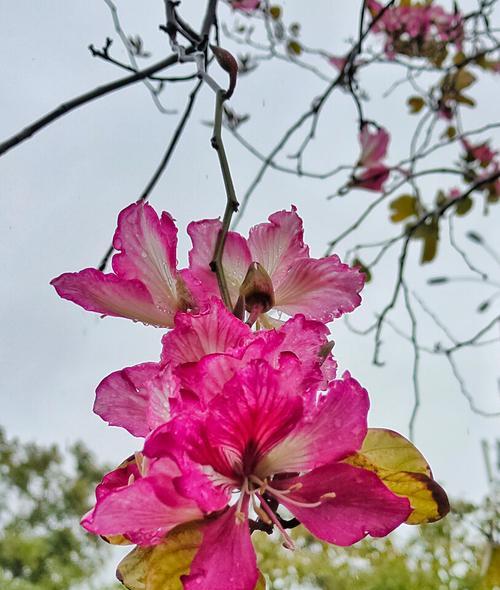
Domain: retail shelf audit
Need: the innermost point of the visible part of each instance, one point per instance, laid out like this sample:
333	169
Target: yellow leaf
459	58
429	249
463	206
491	578
404	470
393	452
462	99
261	582
403	207
415	103
116	540
275	11
427	498
294	47
463	79
451	132
161	567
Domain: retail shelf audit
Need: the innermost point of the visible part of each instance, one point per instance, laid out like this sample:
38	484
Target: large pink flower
145	285
200	355
272	269
268	442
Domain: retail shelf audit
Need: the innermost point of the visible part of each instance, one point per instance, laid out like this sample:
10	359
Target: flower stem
231	200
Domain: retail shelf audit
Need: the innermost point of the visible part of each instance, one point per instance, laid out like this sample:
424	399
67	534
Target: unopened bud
257	289
229	64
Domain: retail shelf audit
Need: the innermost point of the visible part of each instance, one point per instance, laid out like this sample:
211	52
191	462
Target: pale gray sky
61	192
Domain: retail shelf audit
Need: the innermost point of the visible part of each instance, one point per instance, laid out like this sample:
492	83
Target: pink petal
320	289
226	558
372	178
137	511
258	409
245	5
235	261
122	400
110	295
278	244
147	248
330	430
361	504
337	61
163	391
207	377
373	146
118	478
306	339
194	481
213	330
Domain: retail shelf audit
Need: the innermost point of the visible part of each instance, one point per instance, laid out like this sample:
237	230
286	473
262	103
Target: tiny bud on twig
228	63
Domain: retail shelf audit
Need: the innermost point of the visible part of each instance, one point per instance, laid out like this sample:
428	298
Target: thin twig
85	98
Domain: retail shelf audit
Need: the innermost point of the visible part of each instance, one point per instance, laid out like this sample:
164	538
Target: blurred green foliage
43	495
449	555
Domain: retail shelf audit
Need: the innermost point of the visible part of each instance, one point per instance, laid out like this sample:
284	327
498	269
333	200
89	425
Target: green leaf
403	207
364	269
415	103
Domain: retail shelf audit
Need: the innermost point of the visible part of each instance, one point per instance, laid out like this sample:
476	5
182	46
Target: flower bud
257	289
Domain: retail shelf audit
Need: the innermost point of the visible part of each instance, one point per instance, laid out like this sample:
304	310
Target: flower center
254	487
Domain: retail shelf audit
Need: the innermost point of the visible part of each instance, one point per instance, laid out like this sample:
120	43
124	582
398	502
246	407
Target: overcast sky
61	192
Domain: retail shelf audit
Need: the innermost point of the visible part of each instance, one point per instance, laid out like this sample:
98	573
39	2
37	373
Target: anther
328	496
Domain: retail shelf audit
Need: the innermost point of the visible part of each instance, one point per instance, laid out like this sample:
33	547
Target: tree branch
85	98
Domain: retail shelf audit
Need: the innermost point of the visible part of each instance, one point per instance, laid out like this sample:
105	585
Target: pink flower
272	270
200	355
480	152
372	178
373	150
337	61
414	30
145	285
245	5
267	440
373	146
